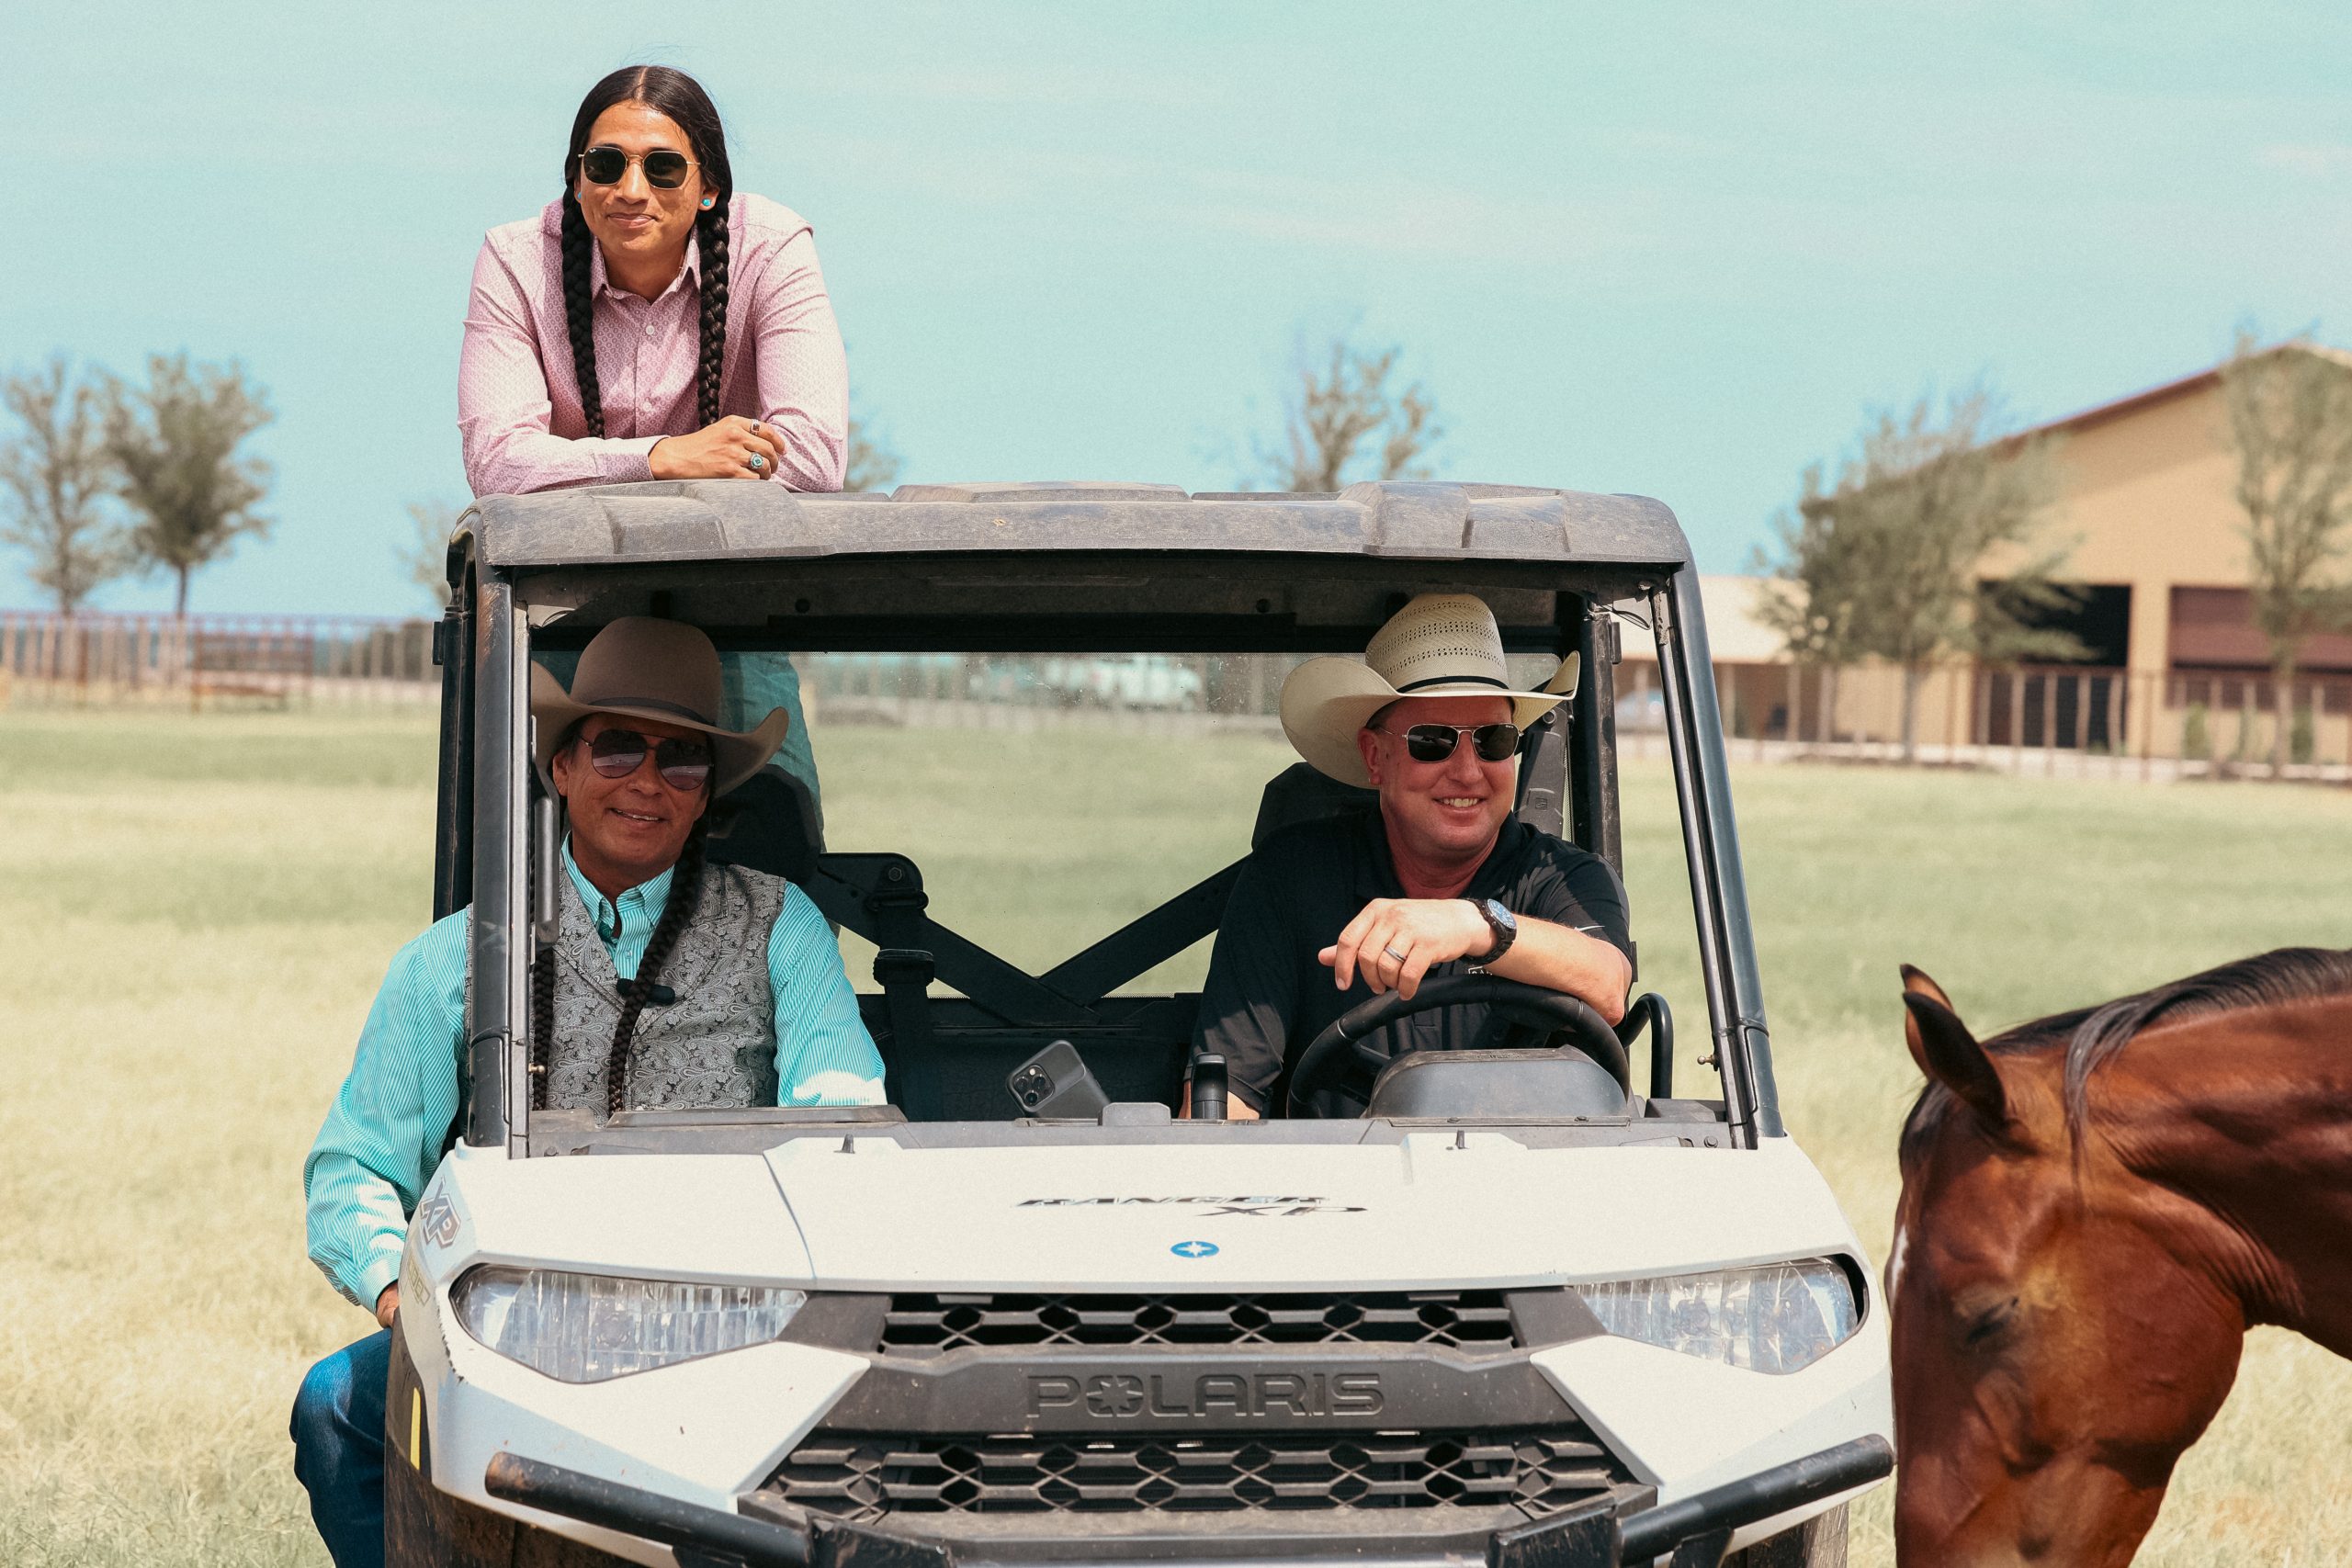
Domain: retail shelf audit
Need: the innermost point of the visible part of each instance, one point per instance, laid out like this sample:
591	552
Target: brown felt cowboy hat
641	668
1439	645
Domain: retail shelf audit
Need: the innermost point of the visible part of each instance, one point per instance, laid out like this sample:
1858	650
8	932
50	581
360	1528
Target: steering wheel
1341	1048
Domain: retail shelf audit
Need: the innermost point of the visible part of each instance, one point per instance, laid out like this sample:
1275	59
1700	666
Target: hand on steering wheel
1392	942
1341	1048
730	448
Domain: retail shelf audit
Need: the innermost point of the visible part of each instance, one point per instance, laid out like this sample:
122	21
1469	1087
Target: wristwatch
1499	920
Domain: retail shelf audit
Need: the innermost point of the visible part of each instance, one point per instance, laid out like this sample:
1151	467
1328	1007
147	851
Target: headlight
1776	1318
589	1327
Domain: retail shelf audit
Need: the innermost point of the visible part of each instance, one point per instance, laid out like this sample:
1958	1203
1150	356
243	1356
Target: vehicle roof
740	520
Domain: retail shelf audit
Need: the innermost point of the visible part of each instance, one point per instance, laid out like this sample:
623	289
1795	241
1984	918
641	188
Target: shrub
2196	740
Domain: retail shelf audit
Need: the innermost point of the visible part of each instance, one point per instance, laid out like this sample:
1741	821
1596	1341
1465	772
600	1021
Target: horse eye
1990	1324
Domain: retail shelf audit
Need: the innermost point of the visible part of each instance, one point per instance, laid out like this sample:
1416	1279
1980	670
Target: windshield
1075	821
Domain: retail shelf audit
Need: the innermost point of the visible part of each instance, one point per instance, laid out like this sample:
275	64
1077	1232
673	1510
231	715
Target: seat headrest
1299	794
767	824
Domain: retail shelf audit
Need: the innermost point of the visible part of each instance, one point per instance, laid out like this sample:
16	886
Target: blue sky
1674	249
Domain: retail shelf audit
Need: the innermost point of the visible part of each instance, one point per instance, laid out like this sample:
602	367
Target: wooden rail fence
278	660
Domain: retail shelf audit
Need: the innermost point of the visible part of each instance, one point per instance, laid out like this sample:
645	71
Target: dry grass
199	909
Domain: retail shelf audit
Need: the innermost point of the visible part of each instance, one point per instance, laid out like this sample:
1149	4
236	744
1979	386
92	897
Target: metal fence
48	660
2069	720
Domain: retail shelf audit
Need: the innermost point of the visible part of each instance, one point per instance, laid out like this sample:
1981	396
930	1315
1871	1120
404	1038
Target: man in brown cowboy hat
1440	878
671	984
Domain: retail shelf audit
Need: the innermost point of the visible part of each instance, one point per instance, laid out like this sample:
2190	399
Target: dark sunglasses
617	753
663	171
1435	742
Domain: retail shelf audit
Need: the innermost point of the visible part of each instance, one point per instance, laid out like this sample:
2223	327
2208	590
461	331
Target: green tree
1886	561
174	442
57	478
2289	411
1342	409
1814	611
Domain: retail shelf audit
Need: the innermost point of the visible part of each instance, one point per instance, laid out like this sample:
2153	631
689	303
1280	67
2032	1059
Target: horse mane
2092	1036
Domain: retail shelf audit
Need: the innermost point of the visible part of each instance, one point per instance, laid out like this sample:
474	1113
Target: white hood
1440	1208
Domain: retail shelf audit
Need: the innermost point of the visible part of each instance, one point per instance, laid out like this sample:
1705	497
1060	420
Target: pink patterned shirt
518	403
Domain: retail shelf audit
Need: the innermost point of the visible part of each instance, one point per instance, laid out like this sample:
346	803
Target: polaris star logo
1195	1249
1115	1396
1208	1207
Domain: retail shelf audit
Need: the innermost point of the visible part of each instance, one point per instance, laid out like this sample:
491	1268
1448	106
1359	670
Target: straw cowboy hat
641	668
1439	645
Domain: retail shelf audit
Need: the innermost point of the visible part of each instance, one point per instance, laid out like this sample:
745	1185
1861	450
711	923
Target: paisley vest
713	1047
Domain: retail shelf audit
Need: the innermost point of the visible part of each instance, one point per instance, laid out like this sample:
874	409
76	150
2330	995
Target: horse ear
1947	1053
1916	982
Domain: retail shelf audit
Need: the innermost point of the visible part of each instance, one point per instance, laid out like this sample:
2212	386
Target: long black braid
579	313
542	1023
678	96
710	236
685	892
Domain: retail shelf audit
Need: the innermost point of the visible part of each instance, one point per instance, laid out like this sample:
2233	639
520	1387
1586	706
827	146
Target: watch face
1500	918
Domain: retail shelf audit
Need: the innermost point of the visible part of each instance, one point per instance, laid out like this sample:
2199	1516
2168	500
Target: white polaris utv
1516	1306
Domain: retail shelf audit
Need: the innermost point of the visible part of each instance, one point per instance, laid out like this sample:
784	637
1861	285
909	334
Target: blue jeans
338	1433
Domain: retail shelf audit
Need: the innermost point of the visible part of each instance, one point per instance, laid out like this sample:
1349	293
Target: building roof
2119	408
742	520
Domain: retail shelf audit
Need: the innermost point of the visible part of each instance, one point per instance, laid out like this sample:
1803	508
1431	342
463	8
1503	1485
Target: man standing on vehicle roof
755	1008
1441	879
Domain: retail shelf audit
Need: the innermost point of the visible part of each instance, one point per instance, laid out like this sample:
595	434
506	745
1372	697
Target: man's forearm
1561	958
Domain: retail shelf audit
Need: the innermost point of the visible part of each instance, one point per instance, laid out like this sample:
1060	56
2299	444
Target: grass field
198	911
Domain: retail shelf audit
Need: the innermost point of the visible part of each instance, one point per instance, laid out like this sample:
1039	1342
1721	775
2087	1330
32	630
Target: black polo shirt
1267	997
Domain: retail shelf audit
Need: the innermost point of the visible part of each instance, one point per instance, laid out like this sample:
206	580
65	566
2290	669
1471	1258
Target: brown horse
2087	1231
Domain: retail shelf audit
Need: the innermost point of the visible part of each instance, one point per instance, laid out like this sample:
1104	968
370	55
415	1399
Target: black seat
1299	794
771	824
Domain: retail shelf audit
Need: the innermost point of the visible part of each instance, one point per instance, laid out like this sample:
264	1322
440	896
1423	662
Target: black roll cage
483	834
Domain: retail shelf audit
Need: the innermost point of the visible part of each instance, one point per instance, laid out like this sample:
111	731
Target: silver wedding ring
1394	953
758	464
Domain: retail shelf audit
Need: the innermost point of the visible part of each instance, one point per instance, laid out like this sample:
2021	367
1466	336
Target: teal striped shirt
382	1136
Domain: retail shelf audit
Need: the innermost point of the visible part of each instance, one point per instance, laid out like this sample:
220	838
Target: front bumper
1595	1536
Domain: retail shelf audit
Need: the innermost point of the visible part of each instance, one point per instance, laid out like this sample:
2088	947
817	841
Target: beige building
2148	516
2148	504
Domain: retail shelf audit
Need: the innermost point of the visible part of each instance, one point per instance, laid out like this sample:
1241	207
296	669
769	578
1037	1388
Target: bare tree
2291	419
874	464
425	557
57	481
1886	561
174	442
1337	410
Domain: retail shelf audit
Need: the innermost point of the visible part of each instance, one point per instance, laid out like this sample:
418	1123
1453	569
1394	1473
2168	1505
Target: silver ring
757	464
1394	953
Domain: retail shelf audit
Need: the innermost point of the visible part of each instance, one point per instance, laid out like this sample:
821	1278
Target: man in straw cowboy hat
671	985
1440	878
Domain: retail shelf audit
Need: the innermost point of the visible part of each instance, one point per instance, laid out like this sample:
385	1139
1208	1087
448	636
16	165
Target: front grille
866	1479
935	1324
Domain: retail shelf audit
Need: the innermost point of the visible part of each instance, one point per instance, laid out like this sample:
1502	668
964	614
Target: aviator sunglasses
1435	742
617	753
663	170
